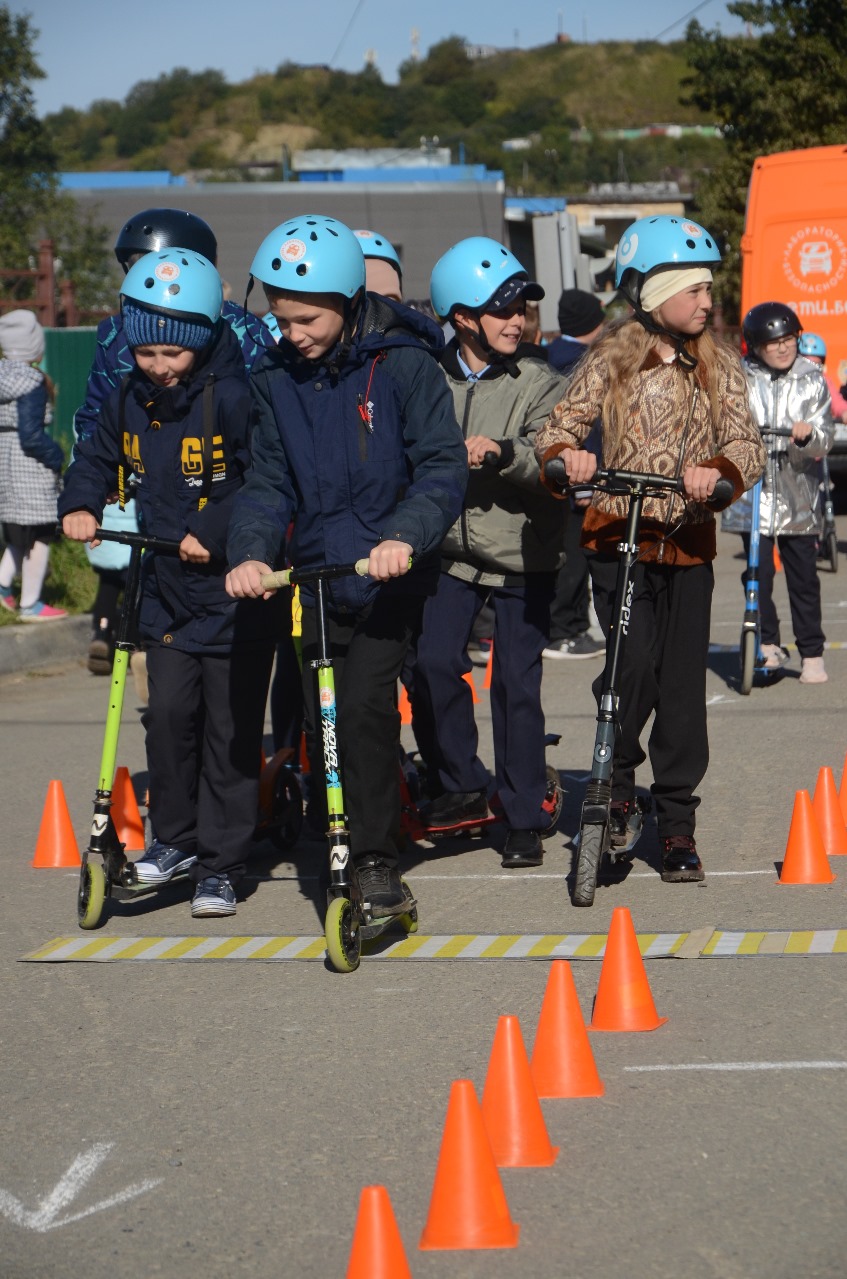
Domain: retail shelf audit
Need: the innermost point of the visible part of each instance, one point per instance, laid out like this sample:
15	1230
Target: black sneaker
620	812
455	809
380	887
680	862
523	848
100	654
214	895
580	646
161	862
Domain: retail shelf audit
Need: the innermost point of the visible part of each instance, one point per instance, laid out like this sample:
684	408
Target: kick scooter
349	921
97	879
594	840
829	537
750	644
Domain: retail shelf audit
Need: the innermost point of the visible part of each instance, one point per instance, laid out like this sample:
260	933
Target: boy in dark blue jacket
181	422
357	443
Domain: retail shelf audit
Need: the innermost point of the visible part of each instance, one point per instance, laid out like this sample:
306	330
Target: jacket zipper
465	420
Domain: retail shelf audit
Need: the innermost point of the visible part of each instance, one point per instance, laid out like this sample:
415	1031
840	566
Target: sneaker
580	646
161	862
620	811
41	612
813	671
214	895
680	862
380	887
100	655
773	657
522	848
8	601
456	808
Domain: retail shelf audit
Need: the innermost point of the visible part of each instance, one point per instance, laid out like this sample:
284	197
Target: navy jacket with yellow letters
189	448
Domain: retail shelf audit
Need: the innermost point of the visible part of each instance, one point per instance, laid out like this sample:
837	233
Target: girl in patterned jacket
673	401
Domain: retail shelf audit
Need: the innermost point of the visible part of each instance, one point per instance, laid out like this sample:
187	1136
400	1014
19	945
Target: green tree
27	160
781	90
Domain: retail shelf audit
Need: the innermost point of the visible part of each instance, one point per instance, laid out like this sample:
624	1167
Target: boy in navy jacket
357	443
181	422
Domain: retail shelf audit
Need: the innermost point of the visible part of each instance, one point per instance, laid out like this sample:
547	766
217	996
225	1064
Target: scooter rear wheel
588	864
832	550
747	651
91	897
343	944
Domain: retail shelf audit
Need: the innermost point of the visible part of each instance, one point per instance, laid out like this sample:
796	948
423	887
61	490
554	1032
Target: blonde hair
625	347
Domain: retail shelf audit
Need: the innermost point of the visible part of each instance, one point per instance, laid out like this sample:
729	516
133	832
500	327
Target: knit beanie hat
144	327
579	313
21	337
658	288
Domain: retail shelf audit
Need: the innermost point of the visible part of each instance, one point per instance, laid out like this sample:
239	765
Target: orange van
794	247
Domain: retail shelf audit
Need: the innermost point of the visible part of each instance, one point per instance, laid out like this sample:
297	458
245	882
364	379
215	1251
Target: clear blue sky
93	49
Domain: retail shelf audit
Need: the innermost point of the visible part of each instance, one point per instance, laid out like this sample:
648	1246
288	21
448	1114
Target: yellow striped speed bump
702	943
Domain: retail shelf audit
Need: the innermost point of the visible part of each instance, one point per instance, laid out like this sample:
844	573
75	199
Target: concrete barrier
34	645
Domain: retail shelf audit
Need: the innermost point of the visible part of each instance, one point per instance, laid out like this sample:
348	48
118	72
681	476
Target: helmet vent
301	269
313	235
149	282
335	233
173	289
276	264
486	263
690	244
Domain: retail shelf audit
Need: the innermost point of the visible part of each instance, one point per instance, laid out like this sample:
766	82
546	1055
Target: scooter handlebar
629	481
147	543
294	576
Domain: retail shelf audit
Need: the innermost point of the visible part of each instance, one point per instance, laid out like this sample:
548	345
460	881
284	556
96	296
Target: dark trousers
204	739
663	670
368	650
799	559
444	715
569	612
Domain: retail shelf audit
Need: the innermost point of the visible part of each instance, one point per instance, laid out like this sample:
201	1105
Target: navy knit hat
153	328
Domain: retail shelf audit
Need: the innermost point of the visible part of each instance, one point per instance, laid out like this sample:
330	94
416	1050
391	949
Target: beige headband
664	284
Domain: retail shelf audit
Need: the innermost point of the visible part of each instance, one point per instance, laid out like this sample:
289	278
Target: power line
685	16
346	31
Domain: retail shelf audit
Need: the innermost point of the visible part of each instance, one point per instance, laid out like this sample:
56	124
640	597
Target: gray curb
37	644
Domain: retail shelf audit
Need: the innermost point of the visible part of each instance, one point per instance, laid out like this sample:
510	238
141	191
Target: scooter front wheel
91	897
588	864
747	649
341	930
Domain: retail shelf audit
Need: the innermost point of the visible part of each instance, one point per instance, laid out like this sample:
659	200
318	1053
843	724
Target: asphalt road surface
214	1117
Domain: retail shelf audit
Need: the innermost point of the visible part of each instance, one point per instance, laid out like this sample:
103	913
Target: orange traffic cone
562	1061
805	855
377	1251
828	815
623	1000
404	706
842	794
486	683
468	1208
125	814
468	678
510	1106
56	845
777	559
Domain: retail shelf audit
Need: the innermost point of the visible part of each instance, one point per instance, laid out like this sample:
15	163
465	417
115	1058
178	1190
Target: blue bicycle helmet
472	272
311	254
812	344
375	245
178	282
659	244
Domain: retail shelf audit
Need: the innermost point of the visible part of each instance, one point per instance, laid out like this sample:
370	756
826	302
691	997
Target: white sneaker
774	657
813	671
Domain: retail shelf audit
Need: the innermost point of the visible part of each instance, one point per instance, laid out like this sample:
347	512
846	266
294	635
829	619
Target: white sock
10	567
33	573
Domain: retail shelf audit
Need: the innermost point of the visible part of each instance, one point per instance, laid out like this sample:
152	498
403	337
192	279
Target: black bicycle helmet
768	322
155	229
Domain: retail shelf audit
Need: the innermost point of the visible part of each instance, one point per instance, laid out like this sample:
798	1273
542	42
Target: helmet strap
508	362
685	359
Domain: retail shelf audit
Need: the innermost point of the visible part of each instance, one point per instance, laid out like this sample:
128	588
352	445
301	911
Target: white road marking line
45	1216
744	1065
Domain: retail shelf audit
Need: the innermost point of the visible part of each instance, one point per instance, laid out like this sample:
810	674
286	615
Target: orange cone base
805	856
828	814
562	1062
377	1251
56	845
510	1107
468	1208
624	1001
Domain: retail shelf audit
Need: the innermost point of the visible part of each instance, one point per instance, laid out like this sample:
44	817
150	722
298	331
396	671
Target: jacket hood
799	368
